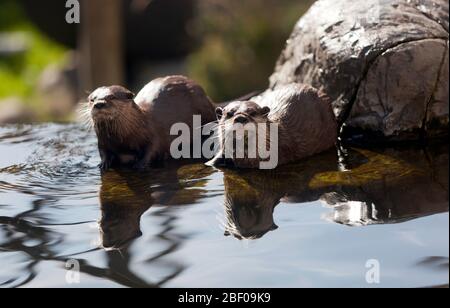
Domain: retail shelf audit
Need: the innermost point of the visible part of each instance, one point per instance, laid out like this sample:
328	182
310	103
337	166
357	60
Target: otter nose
100	105
241	120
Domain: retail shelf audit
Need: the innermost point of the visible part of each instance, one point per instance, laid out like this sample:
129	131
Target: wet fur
136	131
306	123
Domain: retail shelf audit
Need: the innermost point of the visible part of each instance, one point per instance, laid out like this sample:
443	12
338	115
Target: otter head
110	103
115	115
242	113
238	129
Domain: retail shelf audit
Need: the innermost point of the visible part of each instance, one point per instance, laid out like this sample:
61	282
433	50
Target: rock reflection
408	184
361	187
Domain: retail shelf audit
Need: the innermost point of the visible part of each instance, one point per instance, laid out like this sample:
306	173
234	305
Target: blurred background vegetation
240	43
229	46
26	51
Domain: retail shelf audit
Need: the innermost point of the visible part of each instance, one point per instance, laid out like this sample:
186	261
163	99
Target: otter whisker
210	123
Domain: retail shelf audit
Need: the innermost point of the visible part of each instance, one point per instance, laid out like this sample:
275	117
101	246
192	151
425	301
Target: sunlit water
317	223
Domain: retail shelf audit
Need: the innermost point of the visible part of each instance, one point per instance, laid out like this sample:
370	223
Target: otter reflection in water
361	187
125	196
122	205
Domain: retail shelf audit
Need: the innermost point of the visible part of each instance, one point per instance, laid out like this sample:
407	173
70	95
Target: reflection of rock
384	63
421	192
351	213
13	110
386	187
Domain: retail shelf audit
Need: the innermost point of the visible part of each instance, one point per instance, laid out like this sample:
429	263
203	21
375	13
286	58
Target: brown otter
303	116
136	131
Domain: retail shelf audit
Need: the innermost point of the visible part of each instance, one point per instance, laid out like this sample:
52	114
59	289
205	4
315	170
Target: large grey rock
383	62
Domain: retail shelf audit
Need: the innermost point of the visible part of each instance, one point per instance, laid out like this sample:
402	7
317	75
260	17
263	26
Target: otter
303	116
135	130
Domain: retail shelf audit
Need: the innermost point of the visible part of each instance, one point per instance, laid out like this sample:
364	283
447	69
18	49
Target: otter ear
265	111
219	113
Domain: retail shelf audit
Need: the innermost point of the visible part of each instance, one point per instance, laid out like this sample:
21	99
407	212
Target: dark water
312	224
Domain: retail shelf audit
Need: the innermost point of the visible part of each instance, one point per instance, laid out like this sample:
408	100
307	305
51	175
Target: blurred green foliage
19	72
241	42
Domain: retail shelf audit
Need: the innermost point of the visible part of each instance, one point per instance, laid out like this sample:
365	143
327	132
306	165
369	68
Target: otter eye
230	114
253	113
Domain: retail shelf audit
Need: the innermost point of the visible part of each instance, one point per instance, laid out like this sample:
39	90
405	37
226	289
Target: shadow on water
361	187
50	189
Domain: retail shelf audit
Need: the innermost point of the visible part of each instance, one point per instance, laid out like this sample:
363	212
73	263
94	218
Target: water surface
315	223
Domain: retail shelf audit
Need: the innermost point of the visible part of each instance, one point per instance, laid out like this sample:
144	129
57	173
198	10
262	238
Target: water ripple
159	228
